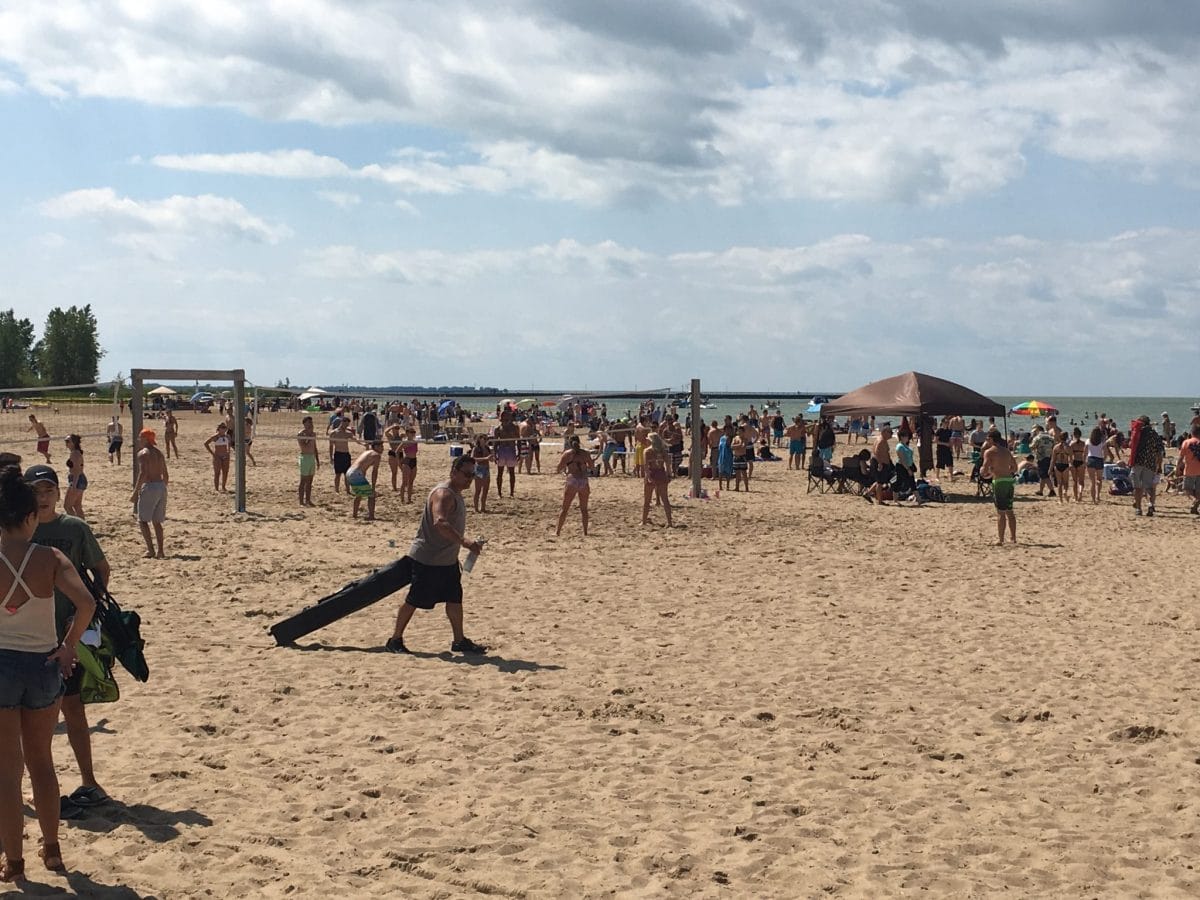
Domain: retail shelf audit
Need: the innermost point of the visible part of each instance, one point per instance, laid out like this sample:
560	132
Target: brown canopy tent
914	394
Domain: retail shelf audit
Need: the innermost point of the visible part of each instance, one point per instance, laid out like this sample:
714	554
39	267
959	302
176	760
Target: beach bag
96	681
122	628
1120	486
930	493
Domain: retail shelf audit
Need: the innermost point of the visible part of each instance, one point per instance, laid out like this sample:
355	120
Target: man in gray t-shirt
436	577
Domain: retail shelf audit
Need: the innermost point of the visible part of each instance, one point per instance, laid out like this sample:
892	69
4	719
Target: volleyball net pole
138	377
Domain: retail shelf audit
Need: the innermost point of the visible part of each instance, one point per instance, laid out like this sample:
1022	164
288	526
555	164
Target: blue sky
763	194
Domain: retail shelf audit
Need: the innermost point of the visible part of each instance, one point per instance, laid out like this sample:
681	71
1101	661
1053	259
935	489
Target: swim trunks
308	465
358	484
115	444
43	446
1003	490
341	462
796	447
506	456
152	502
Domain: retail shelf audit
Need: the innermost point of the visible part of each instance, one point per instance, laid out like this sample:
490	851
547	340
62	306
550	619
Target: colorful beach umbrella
1034	408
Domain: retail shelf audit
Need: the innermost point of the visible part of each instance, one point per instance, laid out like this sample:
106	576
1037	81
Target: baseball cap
34	474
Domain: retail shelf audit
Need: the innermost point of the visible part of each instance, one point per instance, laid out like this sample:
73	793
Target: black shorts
341	462
945	458
432	585
73	682
1044	468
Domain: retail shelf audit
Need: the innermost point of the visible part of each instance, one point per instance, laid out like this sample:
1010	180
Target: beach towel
725	458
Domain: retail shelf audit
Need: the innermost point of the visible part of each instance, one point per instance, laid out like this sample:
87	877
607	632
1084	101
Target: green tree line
67	353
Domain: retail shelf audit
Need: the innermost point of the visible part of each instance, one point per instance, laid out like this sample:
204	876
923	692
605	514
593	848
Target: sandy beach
790	695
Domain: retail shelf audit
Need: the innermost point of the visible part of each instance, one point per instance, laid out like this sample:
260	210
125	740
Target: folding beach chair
821	477
852	479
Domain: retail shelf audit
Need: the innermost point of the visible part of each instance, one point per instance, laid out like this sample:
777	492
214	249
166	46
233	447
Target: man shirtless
797	437
43	436
750	435
116	439
339	451
150	492
882	457
360	479
1001	466
309	460
715	433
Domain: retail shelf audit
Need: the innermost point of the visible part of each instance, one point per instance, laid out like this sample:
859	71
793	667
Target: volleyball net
33	418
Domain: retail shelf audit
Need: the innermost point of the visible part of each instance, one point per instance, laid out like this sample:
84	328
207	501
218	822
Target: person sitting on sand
1001	466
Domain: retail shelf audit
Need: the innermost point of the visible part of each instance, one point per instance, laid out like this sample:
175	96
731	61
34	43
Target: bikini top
27	627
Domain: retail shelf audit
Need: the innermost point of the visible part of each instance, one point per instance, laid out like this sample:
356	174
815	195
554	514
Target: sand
792	695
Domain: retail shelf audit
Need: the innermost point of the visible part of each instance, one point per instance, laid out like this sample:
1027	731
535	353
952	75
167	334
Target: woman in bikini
1060	461
218	447
482	454
394	435
656	479
32	666
577	463
408	449
76	480
1096	450
1079	453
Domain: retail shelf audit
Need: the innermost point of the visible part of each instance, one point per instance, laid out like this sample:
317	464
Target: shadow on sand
485	659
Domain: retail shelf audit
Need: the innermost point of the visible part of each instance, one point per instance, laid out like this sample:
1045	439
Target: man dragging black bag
430	569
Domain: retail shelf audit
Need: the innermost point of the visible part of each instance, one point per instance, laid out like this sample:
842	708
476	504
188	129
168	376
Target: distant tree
16	350
286	383
69	351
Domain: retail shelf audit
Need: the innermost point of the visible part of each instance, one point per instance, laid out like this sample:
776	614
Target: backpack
930	493
1121	486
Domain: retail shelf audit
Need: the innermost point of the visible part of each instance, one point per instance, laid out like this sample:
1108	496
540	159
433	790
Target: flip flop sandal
88	796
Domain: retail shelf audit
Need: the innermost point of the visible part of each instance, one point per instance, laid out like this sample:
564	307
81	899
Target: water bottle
469	562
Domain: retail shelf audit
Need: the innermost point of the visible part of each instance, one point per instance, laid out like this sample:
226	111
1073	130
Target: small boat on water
686	403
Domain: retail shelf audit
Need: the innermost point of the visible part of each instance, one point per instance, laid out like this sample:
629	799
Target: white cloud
912	102
342	199
175	215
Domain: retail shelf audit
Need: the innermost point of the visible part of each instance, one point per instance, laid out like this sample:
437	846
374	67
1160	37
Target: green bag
97	684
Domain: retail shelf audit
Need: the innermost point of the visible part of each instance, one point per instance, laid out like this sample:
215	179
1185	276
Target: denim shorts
27	681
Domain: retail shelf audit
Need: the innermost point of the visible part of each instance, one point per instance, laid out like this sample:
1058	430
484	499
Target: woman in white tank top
32	665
